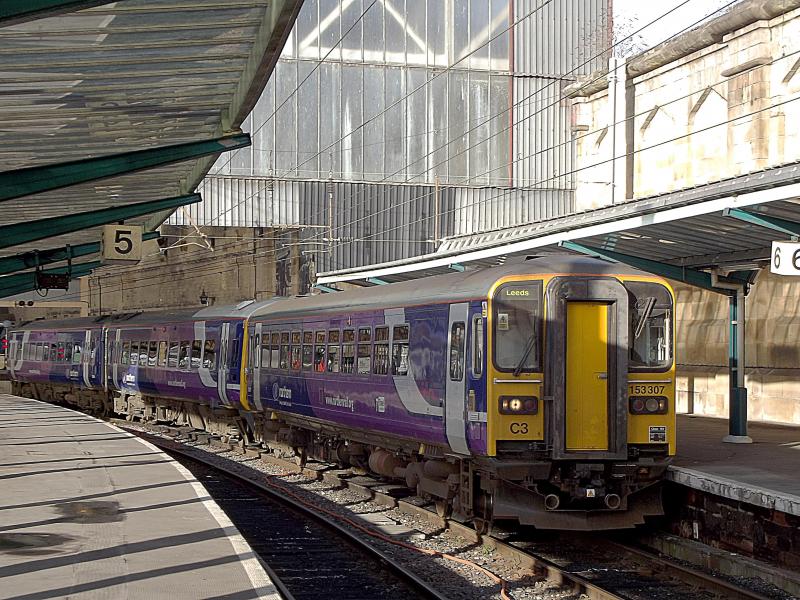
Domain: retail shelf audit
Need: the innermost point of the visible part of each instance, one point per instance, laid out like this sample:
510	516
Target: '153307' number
643	390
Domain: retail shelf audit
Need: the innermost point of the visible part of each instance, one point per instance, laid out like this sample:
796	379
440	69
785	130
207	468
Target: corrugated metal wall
459	129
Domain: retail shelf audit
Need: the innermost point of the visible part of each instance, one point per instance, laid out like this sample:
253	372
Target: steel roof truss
790	228
30	260
31	231
34	180
11	285
686	275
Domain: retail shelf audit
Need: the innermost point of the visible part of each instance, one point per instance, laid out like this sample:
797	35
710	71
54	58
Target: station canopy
115	112
720	232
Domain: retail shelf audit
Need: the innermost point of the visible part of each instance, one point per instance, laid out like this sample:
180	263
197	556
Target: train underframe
527	488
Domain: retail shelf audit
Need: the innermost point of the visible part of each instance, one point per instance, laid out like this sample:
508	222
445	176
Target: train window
319	352
457	344
285	354
67	351
126	352
134	358
45	351
333	336
172	355
152	355
210	355
60	352
162	353
197	348
143	348
400	338
275	353
333	359
517	328
185	357
308	357
76	354
308	337
650	322
348	351
92	349
255	350
477	346
54	352
364	350
295	351
265	353
381	365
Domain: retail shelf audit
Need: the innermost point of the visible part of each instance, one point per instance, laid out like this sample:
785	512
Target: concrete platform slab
89	511
765	473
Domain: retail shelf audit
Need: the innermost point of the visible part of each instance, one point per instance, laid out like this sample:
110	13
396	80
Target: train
540	392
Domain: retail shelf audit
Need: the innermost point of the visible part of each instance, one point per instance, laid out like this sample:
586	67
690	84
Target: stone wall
228	264
726	110
772	350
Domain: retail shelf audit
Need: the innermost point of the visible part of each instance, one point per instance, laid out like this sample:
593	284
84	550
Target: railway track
593	567
309	555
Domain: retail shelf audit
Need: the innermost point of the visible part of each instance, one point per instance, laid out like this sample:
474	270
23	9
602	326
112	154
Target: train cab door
587	372
586	394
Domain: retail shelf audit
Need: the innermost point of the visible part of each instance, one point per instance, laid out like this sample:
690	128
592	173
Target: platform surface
765	473
90	511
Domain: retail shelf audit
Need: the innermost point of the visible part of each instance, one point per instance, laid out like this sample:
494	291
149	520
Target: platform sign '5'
122	244
785	258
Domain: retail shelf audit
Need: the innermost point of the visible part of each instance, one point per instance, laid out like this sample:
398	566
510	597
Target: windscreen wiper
651	302
525	355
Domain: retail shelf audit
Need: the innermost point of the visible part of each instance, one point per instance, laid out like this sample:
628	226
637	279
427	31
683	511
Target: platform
765	473
89	511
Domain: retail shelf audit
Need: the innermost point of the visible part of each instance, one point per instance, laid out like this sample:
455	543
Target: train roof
451	287
234	311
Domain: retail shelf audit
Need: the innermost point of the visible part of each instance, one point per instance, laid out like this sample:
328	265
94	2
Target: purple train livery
540	392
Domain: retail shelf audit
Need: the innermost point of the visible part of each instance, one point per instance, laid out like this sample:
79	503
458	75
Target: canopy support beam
35	180
32	231
790	228
11	285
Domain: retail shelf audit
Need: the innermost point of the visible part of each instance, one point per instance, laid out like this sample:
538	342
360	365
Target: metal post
737	421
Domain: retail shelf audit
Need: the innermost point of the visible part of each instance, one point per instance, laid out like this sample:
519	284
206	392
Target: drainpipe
737	394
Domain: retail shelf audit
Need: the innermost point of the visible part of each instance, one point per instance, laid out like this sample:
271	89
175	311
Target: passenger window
308	350
400	337
67	351
197	347
152	355
457	351
296	350
333	351
126	352
348	351
134	353
53	352
477	346
162	354
517	337
210	355
172	355
381	366
275	361
319	352
143	348
265	350
184	357
46	352
255	351
364	350
285	350
60	352
76	354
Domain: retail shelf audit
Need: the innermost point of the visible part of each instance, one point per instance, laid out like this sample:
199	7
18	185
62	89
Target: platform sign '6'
122	244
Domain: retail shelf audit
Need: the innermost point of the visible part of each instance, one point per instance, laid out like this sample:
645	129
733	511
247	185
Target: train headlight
648	405
519	405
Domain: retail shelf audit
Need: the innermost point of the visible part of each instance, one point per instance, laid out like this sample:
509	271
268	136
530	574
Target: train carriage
541	391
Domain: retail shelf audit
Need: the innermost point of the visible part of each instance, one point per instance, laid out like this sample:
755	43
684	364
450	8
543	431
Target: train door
586	399
587	368
456	388
255	360
114	349
86	358
224	362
